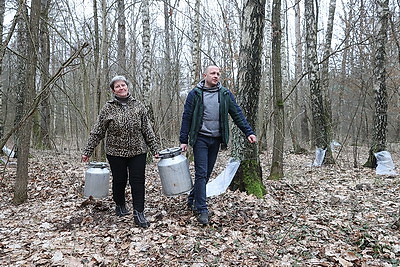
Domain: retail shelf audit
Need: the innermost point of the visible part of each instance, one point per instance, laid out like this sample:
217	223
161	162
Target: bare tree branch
38	98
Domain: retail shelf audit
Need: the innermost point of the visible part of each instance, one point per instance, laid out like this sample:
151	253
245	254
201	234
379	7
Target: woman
124	123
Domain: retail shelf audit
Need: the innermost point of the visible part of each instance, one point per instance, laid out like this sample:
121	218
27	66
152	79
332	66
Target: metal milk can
97	180
174	172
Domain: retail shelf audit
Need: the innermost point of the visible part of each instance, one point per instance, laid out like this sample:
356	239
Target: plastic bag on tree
385	165
224	179
9	152
319	157
334	145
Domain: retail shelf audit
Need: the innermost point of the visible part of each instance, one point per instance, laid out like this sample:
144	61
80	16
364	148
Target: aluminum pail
174	172
97	180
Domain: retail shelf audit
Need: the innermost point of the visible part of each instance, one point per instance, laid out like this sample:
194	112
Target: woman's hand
85	158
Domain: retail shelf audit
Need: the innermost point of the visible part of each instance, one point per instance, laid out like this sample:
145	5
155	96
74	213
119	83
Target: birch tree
325	81
249	176
196	41
380	90
146	58
317	105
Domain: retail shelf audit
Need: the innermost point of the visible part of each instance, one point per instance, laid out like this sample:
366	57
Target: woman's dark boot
121	210
139	219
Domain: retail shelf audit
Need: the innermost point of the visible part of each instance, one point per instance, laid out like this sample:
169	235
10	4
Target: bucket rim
97	164
170	152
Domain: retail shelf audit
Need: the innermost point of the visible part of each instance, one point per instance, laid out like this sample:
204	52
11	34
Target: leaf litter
334	215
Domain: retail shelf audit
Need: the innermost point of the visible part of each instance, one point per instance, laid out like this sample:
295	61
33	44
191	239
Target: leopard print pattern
126	127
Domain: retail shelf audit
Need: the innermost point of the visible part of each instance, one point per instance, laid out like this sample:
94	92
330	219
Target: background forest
319	72
162	48
308	74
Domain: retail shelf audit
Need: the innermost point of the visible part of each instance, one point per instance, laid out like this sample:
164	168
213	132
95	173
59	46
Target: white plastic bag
9	152
334	145
385	163
224	179
319	157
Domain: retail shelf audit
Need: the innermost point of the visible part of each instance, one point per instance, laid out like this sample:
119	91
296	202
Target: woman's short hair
118	78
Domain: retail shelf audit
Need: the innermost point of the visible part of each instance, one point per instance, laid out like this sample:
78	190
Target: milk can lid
170	152
95	164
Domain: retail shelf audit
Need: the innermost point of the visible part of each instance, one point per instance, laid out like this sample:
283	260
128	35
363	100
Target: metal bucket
174	172
97	180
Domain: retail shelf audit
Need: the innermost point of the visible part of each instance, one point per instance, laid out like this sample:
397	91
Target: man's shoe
139	219
121	210
203	218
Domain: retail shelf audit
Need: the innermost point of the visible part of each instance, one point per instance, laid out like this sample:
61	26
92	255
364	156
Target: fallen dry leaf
325	216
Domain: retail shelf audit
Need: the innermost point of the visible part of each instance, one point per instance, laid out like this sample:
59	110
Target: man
205	126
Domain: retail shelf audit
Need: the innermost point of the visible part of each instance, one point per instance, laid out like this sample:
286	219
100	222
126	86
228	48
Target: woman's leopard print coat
126	127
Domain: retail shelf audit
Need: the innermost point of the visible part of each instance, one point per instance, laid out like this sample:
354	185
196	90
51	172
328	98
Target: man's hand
252	138
184	147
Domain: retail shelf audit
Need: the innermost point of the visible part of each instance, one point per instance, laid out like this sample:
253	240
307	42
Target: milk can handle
95	164
170	152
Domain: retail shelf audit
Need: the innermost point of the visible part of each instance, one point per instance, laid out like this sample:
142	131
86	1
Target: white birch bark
249	177
380	90
317	105
196	41
325	80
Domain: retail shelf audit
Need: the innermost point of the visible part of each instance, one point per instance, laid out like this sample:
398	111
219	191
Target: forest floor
336	215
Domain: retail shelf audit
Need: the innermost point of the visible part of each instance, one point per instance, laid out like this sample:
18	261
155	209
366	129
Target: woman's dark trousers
134	168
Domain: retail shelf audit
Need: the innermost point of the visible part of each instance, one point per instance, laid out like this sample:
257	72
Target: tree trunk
317	105
343	72
20	188
381	105
300	109
228	43
196	59
29	77
88	103
325	82
147	58
2	113
249	176
294	112
279	127
167	82
100	73
44	140
121	53
264	106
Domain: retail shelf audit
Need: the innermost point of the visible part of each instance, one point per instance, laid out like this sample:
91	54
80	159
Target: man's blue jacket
192	117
